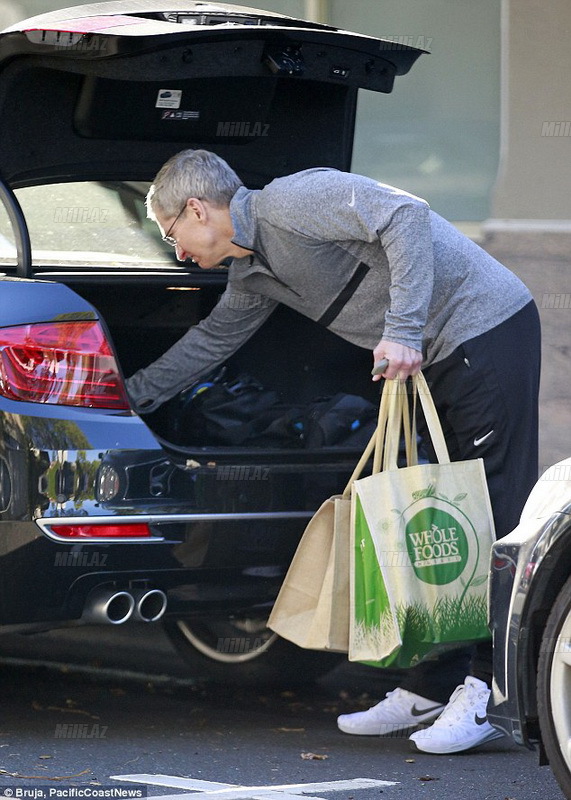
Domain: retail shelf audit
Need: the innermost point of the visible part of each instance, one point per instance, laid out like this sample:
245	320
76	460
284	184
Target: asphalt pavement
100	707
81	707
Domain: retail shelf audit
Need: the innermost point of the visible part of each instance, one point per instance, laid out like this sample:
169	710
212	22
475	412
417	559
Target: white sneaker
462	725
399	710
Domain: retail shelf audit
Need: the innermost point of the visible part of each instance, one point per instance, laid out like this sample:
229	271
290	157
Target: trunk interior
290	355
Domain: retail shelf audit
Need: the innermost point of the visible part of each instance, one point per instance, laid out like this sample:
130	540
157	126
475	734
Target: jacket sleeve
407	242
234	319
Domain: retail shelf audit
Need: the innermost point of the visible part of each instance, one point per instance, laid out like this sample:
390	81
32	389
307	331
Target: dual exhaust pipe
106	606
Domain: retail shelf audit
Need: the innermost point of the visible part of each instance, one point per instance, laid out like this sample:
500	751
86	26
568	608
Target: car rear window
87	224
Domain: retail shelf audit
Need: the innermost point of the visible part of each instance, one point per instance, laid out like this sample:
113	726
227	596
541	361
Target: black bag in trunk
242	412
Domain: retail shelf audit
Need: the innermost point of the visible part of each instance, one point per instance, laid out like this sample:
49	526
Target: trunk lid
116	88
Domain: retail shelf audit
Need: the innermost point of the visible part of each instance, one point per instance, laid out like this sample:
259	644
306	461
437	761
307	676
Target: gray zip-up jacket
427	285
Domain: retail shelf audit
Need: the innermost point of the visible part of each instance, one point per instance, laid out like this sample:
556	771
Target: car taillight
62	363
112	531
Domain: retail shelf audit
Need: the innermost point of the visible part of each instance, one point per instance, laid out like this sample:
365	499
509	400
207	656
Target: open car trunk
321	412
116	89
290	387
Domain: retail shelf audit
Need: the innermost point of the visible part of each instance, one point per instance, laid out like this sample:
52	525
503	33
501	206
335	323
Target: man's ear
196	207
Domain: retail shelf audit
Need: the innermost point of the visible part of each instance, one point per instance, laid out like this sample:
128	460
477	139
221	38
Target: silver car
530	615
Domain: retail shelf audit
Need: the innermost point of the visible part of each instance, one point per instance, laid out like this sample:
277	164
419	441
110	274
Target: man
379	268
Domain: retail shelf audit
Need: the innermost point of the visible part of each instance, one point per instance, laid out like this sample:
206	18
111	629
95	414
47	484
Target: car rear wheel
244	650
554	688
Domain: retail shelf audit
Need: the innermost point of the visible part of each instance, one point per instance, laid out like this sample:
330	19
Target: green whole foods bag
421	541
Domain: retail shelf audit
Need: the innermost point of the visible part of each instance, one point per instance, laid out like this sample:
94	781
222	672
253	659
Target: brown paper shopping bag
312	607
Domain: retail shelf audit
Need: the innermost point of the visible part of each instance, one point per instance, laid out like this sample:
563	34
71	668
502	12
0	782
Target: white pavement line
172	780
220	789
329	786
225	791
247	793
211	788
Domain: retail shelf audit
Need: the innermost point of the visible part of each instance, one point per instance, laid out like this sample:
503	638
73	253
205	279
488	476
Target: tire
554	689
245	651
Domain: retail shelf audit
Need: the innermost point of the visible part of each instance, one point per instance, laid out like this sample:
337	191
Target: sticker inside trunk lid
180	115
169	98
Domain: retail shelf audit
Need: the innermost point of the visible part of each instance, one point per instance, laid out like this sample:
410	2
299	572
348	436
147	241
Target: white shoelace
456	708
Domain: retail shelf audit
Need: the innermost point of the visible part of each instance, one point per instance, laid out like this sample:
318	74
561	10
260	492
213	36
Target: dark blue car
105	516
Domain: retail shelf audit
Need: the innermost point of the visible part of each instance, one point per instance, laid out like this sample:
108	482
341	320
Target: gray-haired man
379	268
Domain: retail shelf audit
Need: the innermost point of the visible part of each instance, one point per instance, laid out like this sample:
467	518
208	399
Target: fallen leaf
409	761
44	777
290	730
45	756
38	707
313	756
428	778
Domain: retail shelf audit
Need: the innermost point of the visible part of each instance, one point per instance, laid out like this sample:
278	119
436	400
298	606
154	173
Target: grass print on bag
420	554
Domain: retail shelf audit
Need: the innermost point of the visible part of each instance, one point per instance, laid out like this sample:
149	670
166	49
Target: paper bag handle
375	445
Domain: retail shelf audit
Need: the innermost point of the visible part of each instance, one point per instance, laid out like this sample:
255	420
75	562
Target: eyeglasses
167	237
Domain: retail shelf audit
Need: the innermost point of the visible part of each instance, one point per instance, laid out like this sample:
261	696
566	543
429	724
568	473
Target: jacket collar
243	218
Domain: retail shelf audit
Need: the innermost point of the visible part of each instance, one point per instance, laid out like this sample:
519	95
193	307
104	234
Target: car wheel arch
551	573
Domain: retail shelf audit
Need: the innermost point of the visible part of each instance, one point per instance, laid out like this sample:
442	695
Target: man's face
198	232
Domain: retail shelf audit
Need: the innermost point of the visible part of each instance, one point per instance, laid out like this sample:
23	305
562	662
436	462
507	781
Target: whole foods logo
437	544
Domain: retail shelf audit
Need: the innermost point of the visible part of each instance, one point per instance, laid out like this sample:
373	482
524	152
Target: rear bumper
224	526
205	564
222	537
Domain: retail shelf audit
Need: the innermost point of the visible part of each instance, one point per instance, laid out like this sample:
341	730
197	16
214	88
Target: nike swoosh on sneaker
480	720
482	439
419	712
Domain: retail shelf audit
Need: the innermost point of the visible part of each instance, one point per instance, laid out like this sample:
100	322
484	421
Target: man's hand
403	361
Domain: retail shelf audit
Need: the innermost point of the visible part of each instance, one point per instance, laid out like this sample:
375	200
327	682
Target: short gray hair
191	173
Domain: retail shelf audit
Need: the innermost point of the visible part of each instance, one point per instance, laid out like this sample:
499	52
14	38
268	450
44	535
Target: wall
535	170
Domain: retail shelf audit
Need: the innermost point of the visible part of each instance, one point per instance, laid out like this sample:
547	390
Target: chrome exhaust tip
108	607
150	604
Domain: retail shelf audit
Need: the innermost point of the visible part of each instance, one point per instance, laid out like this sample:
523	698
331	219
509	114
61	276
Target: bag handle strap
367	453
375	445
420	387
395	416
399	421
385	413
